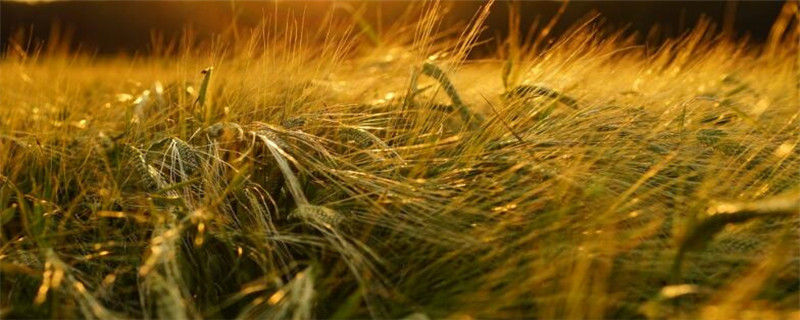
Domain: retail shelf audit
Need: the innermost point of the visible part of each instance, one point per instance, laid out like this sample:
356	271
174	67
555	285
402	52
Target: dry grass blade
311	179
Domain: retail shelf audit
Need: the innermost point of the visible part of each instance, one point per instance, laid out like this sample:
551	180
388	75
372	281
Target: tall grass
321	175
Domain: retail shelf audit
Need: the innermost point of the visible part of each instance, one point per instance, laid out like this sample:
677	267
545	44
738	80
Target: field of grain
283	172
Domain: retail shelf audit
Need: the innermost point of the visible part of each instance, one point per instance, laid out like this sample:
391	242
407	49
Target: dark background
111	27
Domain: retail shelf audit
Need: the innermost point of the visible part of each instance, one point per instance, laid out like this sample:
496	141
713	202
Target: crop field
286	172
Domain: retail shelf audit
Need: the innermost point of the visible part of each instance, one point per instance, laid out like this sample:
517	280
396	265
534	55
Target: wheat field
291	172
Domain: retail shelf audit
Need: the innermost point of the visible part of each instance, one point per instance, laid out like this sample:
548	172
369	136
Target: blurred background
127	27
